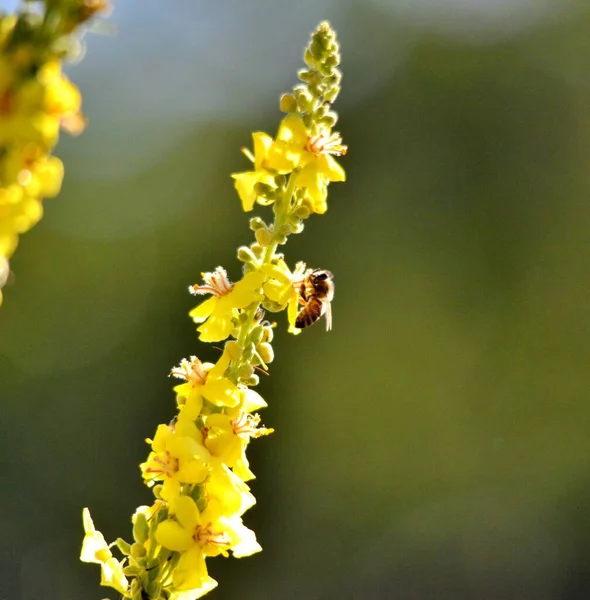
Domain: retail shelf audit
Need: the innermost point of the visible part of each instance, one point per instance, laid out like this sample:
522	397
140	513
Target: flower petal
204	310
217	327
187	513
330	168
293	130
221	392
262	142
247	290
191	572
173	536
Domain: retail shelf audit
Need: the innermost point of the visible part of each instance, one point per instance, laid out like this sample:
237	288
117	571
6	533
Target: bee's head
321	275
321	281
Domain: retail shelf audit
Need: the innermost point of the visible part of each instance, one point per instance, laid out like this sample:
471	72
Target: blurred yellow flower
96	550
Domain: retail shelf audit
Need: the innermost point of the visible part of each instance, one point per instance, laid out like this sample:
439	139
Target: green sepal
124	547
141	529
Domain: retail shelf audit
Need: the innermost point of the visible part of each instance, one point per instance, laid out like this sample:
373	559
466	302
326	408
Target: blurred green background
434	444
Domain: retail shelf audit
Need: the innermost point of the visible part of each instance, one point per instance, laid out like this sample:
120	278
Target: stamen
217	284
248	154
326	143
205	536
246	426
190	371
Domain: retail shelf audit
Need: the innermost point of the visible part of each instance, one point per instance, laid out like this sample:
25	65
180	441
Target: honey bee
316	291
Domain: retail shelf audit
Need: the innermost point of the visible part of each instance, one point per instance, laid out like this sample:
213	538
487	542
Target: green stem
281	210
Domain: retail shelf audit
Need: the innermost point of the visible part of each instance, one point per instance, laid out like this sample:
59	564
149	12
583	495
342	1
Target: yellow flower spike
217	312
96	550
199	460
245	182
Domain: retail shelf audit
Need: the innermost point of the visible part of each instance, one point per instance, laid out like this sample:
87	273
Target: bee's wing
328	306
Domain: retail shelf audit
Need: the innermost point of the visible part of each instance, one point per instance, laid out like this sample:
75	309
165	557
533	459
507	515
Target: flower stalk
36	101
197	467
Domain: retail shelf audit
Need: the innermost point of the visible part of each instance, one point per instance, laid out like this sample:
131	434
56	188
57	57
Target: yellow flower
204	380
96	550
281	288
245	182
178	456
228	435
217	312
311	155
197	534
226	488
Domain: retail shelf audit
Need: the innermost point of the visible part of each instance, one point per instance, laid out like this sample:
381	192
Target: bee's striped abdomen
310	313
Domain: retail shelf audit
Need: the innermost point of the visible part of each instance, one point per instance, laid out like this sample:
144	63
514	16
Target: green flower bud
268	333
302	212
329	119
242	319
256	334
137	550
245	371
305	75
288	104
304	97
253	381
332	61
266	352
317	49
285	229
321	111
256	223
263	236
141	530
246	256
298	228
234	349
257	250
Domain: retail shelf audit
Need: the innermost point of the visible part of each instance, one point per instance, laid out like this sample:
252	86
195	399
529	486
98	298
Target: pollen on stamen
217	284
324	143
205	535
190	370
